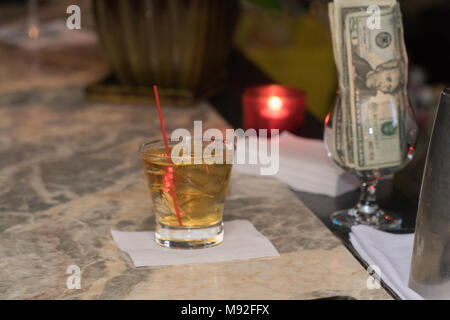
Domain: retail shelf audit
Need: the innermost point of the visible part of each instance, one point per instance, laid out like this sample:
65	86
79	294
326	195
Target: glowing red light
275	103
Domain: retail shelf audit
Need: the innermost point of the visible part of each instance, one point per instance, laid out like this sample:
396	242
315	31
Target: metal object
430	269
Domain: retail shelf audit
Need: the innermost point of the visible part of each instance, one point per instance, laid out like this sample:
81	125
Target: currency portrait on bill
386	77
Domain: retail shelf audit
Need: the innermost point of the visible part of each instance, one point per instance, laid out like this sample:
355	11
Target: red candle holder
273	107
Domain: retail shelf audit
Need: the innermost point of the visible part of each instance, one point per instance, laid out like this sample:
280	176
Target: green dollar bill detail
377	81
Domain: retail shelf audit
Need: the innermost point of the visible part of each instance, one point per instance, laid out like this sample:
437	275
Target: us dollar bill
372	67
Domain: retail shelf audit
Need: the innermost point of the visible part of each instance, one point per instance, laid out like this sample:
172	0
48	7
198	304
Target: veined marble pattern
70	172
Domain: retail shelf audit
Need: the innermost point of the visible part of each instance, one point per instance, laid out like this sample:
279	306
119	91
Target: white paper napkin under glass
241	241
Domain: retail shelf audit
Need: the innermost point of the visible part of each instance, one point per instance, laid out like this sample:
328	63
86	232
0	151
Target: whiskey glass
188	191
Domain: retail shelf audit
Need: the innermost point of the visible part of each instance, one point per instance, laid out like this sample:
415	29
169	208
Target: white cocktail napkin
241	241
305	166
391	253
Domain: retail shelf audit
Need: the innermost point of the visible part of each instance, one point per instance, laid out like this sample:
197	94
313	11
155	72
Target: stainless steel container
430	269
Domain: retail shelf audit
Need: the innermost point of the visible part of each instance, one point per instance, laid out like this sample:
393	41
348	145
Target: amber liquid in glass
199	189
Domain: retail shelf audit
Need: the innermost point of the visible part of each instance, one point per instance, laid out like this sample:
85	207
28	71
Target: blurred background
200	49
289	40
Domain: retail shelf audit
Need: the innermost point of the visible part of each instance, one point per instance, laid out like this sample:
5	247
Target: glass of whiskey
188	190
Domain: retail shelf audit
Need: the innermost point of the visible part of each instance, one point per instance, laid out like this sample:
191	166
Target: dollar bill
337	114
372	68
338	34
338	139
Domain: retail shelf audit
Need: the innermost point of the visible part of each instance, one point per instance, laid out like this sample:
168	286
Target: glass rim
268	90
160	142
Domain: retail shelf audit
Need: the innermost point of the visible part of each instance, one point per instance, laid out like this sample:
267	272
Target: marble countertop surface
70	172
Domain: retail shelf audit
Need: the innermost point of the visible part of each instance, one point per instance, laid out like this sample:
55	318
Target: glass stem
368	199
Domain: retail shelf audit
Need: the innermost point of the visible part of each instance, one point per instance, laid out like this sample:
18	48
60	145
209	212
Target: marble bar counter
70	172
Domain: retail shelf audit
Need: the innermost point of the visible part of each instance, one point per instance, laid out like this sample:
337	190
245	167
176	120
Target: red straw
163	127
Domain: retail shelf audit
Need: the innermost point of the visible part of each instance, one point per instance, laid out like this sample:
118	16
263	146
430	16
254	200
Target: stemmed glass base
380	219
367	212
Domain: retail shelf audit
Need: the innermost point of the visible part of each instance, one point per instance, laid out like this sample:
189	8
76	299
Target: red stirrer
163	127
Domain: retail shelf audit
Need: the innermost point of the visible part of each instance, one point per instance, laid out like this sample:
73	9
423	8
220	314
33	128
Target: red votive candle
273	107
